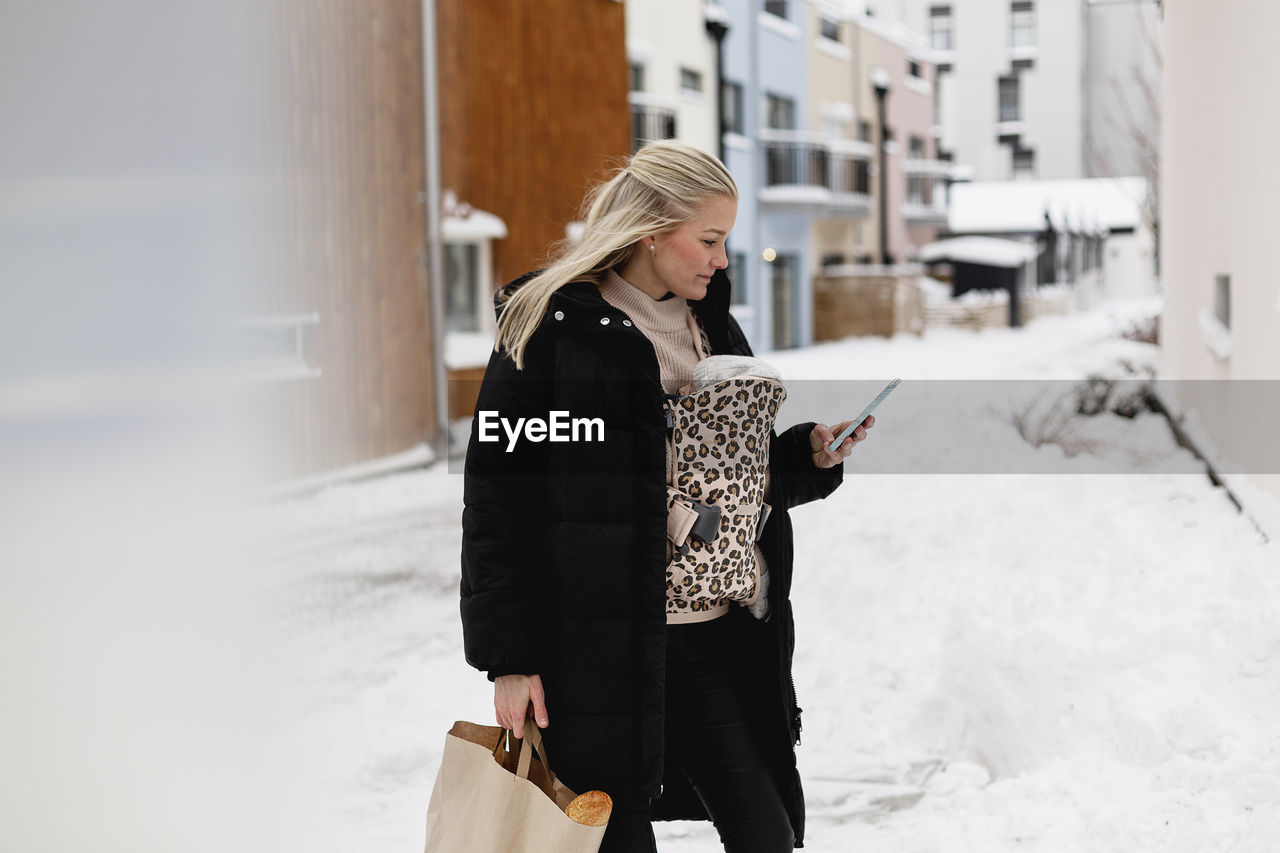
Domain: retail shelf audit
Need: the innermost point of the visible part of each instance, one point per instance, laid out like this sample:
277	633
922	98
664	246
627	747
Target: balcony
810	170
926	202
652	118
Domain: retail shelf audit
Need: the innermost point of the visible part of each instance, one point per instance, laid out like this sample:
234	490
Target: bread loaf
590	809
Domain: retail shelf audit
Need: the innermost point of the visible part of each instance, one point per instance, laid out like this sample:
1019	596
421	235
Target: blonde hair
662	186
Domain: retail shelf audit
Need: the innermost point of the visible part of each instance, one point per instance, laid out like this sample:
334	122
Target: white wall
1219	198
1052	95
668	35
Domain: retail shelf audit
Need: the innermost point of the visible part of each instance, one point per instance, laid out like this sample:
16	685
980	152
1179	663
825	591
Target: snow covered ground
1078	661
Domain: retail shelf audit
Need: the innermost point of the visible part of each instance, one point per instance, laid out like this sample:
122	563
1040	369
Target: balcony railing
801	164
651	120
811	169
926	202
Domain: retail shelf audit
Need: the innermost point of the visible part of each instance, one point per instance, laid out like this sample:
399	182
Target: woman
565	597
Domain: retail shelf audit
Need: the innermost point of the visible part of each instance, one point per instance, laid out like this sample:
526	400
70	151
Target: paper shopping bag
490	796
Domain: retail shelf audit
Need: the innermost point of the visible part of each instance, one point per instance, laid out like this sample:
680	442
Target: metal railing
803	164
649	123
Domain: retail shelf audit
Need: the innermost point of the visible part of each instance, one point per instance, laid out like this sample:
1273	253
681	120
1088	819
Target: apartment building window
737	273
780	112
829	28
784	274
776	7
1222	300
1024	164
462	302
864	130
913	68
1023	24
690	81
1009	99
862	177
916	190
940	27
915	148
637	77
731	106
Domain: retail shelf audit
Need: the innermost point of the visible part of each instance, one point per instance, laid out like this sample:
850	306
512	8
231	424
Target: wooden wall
353	161
533	106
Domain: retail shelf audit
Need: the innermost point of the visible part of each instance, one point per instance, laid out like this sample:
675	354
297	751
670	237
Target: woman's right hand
512	695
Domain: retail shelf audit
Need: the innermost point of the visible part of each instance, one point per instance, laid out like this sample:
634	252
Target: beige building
1222	295
841	232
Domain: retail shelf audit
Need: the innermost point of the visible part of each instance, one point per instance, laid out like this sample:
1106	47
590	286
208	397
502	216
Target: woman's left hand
823	435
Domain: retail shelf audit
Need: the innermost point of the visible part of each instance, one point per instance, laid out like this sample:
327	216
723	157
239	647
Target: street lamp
880	82
717	21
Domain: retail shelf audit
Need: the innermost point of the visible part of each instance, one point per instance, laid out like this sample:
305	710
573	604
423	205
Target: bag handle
532	742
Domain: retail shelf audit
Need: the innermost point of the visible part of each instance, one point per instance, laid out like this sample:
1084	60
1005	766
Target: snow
989	251
476	227
467	349
1071	662
990	207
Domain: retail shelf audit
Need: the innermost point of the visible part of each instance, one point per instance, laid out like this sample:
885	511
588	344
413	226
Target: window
1222	300
1024	164
940	27
784	274
864	130
731	107
776	7
862	176
1009	107
637	77
737	273
690	81
1022	24
916	148
913	68
829	27
832	259
916	189
780	113
461	263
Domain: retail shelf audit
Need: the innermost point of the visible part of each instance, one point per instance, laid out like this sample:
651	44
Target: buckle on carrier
705	529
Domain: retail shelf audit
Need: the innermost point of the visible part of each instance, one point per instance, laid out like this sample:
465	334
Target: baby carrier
720	435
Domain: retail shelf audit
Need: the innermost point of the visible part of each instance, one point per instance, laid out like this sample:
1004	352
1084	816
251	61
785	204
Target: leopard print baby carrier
720	437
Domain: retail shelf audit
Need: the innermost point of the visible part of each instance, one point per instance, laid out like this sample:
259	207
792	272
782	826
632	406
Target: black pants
709	738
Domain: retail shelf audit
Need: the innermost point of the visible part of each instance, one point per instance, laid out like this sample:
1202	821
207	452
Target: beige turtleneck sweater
667	323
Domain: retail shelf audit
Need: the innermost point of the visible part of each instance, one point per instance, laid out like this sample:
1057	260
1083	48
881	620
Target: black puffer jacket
563	552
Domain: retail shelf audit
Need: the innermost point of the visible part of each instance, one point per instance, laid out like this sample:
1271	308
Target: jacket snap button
604	321
626	322
559	315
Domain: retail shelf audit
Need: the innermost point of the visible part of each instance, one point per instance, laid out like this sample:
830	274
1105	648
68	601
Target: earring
651	248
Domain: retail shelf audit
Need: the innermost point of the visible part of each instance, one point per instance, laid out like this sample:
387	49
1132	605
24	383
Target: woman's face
685	258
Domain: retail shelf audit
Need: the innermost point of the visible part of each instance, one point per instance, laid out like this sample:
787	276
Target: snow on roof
475	226
1080	205
988	251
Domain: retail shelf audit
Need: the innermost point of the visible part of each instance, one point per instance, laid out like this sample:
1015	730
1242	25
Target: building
895	61
673	74
533	108
349	377
1090	233
1222	301
802	131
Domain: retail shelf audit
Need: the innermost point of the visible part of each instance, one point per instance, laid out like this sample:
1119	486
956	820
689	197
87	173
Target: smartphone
871	407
